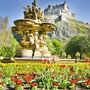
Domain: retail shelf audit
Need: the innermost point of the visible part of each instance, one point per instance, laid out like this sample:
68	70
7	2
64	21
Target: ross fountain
30	32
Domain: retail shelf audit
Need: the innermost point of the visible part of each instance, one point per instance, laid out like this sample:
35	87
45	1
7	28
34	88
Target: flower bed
31	76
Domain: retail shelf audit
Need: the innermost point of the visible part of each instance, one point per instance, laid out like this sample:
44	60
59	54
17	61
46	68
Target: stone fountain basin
32	25
26	25
48	27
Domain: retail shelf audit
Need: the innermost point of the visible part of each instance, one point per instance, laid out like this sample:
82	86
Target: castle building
58	12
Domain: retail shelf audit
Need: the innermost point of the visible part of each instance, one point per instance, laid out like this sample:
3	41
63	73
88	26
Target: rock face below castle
58	12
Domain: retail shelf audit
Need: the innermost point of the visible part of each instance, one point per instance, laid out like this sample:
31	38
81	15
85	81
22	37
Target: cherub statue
27	40
31	39
24	42
42	43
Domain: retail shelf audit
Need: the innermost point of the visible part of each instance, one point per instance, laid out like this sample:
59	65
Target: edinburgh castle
58	12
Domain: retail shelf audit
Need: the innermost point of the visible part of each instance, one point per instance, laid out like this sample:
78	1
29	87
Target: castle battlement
60	11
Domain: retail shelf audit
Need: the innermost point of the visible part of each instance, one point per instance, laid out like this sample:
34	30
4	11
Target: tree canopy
78	44
55	46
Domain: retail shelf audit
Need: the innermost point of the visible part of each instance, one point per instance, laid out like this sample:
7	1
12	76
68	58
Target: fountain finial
35	2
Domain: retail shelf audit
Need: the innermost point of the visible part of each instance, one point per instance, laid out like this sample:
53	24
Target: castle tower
65	1
65	5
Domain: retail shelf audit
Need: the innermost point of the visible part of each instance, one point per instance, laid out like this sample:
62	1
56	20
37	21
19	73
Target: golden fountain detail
31	32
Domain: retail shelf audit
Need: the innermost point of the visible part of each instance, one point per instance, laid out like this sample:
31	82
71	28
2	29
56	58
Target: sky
14	8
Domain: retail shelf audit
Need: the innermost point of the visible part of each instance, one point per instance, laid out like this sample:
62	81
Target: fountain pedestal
37	54
27	53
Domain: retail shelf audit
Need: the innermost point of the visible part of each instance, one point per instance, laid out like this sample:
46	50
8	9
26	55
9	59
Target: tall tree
7	42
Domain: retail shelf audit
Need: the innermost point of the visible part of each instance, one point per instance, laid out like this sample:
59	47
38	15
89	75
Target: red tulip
78	79
33	84
74	81
13	78
55	83
62	66
70	67
45	60
18	82
87	82
1	83
28	78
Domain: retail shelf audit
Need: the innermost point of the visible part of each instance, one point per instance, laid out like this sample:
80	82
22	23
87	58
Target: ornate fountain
30	32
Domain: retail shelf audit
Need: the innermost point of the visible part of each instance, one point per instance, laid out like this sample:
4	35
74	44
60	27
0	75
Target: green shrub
8	48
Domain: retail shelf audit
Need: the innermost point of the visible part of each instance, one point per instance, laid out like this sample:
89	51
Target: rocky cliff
66	30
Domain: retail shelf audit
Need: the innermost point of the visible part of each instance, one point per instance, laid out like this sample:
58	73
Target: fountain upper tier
32	26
